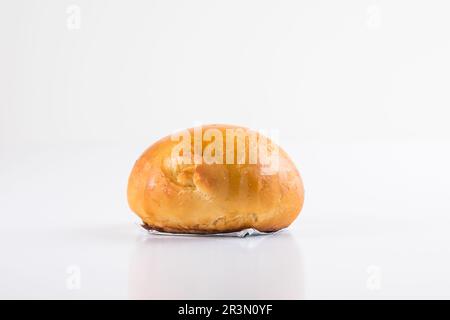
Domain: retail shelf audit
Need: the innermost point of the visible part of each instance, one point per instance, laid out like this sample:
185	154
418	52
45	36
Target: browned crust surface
194	231
212	198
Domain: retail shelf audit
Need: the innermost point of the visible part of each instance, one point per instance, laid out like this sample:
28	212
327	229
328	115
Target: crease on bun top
207	180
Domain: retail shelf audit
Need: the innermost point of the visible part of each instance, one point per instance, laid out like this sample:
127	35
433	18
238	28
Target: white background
358	90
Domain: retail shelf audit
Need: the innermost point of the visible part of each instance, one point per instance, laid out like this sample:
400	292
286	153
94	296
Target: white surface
373	212
358	91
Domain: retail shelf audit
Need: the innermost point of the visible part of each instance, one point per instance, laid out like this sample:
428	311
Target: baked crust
192	231
213	198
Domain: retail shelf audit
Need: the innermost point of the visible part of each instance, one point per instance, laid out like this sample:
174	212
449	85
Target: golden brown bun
213	198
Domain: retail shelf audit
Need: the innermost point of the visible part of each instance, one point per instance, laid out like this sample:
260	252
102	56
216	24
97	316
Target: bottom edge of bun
149	227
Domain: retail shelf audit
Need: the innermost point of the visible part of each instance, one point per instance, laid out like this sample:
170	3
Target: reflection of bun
186	268
183	197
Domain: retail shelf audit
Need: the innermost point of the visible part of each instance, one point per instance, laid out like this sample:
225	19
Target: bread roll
212	183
